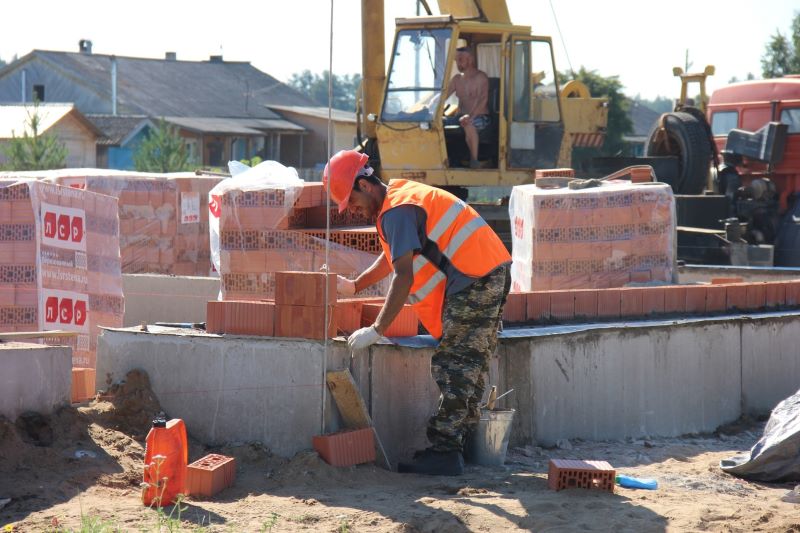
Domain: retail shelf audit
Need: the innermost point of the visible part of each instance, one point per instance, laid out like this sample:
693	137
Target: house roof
337	115
160	87
643	119
15	118
234	126
118	130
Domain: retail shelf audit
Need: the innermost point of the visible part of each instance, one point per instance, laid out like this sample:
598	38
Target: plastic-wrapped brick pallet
599	237
163	218
59	264
266	220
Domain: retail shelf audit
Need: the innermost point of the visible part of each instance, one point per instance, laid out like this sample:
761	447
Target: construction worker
449	264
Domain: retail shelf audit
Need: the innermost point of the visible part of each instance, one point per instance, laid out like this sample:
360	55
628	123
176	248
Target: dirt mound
128	406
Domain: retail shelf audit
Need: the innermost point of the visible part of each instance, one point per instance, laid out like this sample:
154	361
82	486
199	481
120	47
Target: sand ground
52	489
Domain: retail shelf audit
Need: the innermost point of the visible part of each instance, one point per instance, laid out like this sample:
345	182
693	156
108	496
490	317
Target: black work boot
434	463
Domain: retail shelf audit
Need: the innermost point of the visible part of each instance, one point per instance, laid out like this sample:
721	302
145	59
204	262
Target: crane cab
417	136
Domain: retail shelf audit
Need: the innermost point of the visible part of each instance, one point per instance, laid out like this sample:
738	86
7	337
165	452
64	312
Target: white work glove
344	286
363	338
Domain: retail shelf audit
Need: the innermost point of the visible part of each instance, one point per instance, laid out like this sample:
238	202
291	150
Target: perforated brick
210	475
574	474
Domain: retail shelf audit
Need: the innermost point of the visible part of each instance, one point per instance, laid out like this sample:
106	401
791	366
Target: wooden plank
36	335
350	403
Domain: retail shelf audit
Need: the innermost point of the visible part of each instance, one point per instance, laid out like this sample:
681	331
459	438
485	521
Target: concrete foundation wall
158	298
608	381
693	273
241	389
34	377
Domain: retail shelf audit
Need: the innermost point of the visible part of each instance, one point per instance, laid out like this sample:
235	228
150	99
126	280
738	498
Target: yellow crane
536	122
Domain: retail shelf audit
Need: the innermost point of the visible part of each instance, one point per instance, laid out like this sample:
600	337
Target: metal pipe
114	85
22	86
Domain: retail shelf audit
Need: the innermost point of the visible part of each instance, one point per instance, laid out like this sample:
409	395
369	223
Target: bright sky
638	40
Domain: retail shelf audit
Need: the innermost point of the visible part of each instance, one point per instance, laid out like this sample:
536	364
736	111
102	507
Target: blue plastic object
636	483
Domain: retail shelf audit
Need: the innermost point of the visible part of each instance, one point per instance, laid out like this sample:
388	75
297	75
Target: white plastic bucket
488	444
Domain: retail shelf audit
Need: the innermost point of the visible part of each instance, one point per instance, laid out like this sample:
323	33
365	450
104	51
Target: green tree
777	59
782	54
163	150
316	87
35	150
619	123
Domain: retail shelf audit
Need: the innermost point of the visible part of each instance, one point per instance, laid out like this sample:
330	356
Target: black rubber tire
689	142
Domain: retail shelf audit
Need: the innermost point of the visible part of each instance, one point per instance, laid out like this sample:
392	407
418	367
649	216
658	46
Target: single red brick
405	324
210	475
695	298
250	318
574	474
346	448
716	299
675	299
304	321
631	301
304	288
562	305
215	317
653	300
538	305
348	316
609	303
756	294
585	303
514	310
736	296
776	294
83	384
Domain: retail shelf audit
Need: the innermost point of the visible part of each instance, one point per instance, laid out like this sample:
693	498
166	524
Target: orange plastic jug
165	458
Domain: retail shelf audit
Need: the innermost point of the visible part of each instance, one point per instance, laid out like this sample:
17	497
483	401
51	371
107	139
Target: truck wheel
683	137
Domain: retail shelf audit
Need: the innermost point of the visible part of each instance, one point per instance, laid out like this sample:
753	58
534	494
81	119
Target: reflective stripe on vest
462	235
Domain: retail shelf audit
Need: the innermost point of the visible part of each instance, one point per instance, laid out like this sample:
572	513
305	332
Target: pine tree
163	150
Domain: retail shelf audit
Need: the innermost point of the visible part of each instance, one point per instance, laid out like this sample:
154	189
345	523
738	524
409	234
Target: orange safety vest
462	236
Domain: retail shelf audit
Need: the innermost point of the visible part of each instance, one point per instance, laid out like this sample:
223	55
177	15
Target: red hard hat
340	174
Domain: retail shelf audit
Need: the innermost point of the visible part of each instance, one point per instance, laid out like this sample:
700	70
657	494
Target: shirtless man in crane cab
472	89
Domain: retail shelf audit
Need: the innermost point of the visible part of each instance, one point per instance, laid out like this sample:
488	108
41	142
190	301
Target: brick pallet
59	264
270	230
163	218
599	237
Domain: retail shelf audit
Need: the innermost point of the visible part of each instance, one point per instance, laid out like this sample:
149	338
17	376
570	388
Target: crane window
535	96
723	122
791	117
416	75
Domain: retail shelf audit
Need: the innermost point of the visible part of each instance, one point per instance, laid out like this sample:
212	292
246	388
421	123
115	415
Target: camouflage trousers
470	319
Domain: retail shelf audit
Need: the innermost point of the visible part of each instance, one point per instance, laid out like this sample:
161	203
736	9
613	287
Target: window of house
38	93
723	122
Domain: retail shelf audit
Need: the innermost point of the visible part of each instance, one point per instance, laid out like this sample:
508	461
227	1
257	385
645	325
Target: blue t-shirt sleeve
401	227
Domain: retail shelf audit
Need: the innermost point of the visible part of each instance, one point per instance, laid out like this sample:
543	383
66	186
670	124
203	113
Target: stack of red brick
270	230
299	311
60	265
599	237
163	218
721	296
